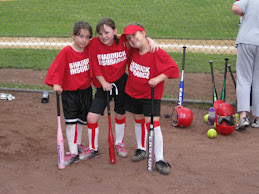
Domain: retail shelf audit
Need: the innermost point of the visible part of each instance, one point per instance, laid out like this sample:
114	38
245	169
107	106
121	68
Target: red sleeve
56	70
166	65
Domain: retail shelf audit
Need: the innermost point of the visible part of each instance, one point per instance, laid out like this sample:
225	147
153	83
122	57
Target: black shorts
76	105
100	99
142	106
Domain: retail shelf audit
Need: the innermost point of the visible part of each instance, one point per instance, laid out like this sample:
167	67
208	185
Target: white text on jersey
139	70
79	66
111	58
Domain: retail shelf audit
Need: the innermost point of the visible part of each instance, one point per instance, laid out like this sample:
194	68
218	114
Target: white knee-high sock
119	130
93	134
159	144
79	133
71	133
141	134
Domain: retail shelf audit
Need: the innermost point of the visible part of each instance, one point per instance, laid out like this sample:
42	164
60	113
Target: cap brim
132	29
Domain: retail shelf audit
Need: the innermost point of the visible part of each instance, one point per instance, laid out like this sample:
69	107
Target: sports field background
32	32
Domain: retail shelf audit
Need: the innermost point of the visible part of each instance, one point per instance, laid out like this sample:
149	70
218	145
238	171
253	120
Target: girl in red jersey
69	75
147	70
108	64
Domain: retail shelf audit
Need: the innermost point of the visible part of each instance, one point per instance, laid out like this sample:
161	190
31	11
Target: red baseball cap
132	29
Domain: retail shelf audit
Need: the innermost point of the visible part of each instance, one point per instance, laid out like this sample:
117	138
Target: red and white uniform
108	61
70	69
144	67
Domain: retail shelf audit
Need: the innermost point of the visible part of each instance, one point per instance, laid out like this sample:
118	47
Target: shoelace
138	151
256	121
164	164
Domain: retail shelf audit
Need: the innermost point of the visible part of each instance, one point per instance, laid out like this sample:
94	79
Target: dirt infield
28	159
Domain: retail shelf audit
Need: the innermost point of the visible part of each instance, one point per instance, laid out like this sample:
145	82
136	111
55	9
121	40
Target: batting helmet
217	104
183	118
225	119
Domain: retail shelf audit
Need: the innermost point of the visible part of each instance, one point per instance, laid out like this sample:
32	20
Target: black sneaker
88	154
71	158
139	155
81	148
163	167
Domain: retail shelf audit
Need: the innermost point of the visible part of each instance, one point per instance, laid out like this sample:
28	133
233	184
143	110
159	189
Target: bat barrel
181	89
60	140
110	135
150	160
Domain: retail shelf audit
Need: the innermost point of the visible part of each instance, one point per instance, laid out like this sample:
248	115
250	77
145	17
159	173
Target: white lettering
111	58
139	70
79	66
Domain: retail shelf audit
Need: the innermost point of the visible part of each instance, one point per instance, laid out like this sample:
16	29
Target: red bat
60	140
110	134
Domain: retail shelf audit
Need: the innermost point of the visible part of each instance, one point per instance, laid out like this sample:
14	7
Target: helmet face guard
225	119
182	118
230	120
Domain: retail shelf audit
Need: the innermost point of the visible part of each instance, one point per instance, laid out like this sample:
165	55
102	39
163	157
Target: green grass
194	19
24	86
27	58
199	62
42	59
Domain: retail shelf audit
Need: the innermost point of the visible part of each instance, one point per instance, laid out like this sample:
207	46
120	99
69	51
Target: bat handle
108	103
152	99
58	104
184	50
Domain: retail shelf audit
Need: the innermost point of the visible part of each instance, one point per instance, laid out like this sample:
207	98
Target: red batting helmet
183	118
216	105
225	119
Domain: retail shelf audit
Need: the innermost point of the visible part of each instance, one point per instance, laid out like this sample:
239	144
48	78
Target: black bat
223	92
232	76
214	91
150	161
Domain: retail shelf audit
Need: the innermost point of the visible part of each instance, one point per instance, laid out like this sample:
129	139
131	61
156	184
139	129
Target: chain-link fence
32	32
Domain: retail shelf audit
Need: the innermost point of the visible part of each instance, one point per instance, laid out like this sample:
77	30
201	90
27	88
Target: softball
237	117
206	118
212	133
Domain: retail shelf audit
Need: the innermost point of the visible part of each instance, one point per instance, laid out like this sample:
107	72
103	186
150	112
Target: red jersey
108	61
144	67
70	69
